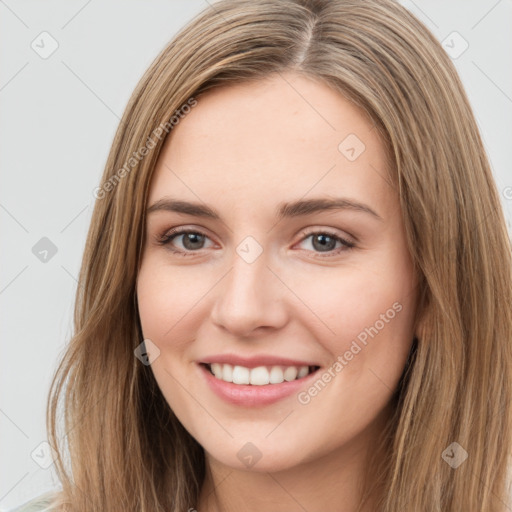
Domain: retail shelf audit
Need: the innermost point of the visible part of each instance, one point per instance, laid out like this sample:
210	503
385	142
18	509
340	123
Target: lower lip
250	395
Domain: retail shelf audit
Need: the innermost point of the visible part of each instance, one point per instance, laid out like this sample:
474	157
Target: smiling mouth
260	375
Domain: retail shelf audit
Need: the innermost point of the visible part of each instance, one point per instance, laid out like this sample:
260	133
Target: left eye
326	242
193	241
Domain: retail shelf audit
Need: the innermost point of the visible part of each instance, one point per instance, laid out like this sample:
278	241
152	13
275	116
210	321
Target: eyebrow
297	208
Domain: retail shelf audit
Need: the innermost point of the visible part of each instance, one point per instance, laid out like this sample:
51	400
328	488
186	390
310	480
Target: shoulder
42	503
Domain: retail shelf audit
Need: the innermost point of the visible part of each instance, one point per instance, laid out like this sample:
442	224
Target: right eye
191	240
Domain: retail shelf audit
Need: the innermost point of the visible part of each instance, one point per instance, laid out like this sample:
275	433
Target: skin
243	150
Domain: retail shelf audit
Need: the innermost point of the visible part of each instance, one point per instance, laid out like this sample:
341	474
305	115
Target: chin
258	456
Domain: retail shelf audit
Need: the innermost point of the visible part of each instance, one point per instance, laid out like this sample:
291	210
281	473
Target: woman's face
265	282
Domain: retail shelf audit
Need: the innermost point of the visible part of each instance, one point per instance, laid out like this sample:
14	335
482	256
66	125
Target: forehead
262	142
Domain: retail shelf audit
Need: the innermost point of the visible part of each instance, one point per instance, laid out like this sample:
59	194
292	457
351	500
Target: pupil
323	245
190	239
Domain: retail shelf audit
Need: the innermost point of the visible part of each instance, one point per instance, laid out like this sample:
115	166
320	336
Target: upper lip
255	361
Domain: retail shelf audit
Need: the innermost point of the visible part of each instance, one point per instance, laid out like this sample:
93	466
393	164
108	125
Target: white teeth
290	373
227	373
240	375
304	370
259	376
276	375
217	370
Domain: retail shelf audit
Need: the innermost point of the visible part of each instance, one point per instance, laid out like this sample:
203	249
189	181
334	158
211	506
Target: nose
250	298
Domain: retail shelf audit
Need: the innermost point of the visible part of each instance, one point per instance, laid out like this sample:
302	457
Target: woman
296	286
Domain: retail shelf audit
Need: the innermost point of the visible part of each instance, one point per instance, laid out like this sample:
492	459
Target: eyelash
168	236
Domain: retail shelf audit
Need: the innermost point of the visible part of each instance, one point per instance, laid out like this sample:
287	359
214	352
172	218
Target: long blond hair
119	445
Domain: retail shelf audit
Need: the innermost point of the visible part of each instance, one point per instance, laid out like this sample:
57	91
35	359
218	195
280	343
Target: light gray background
59	116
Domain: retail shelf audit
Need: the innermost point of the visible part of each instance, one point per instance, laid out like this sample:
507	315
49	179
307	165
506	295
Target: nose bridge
250	295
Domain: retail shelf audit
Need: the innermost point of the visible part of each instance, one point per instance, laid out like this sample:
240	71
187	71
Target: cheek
354	300
165	316
363	315
366	327
166	299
